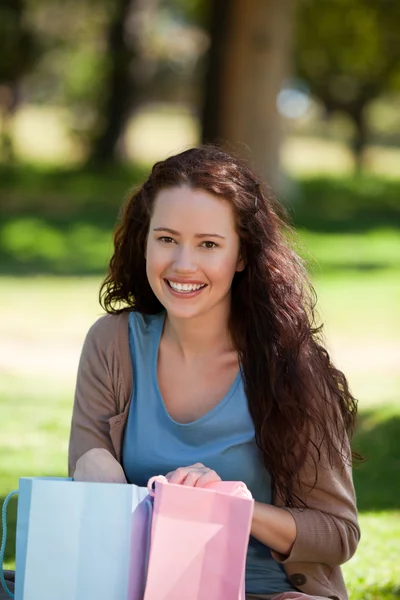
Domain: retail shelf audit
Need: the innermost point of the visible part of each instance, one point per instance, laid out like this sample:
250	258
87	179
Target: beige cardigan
327	530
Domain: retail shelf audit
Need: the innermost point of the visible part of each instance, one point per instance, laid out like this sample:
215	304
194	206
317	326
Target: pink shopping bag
199	541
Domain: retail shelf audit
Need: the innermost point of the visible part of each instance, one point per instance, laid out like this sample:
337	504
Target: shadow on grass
376	480
347	267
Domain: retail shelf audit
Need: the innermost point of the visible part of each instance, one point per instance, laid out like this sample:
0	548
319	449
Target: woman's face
192	251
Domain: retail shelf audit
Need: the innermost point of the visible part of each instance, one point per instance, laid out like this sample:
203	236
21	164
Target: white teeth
185	287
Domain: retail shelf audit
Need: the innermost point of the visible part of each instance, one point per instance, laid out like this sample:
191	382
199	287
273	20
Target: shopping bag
81	541
199	541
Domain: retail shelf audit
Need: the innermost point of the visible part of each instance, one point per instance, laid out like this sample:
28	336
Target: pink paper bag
199	541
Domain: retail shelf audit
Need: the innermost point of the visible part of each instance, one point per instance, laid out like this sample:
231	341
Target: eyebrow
197	235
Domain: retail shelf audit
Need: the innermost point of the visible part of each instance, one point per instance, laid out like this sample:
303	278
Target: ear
241	264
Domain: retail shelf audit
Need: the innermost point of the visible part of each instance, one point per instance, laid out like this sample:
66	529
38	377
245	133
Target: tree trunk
360	138
123	83
12	66
254	61
221	13
8	106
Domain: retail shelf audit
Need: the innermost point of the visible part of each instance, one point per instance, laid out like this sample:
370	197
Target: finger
183	471
207	478
179	475
171	473
192	478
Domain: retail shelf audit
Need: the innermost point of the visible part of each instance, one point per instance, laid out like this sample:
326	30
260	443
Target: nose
184	260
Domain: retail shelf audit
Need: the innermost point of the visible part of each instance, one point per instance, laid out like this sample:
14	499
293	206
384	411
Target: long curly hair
300	403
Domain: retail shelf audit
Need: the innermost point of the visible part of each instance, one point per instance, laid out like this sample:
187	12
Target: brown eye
209	245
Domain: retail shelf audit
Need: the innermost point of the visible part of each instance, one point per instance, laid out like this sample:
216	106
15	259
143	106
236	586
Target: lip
186	295
180	280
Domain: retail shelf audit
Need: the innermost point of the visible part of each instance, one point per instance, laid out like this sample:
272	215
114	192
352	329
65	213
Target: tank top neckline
208	415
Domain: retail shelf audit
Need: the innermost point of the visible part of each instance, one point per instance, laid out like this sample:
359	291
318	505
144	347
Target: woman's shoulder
108	327
107	346
112	330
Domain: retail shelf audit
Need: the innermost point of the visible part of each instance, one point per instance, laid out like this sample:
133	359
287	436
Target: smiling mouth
185	288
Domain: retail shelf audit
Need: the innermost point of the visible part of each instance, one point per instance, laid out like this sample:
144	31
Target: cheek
223	268
154	255
153	261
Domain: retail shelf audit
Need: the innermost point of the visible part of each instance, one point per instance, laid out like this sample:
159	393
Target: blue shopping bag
77	540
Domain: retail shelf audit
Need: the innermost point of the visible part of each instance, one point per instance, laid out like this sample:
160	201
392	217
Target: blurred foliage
20	50
347	203
103	58
348	52
188	11
61	221
20	47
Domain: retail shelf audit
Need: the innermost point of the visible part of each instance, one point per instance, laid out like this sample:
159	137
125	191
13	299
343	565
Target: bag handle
4	540
152	481
232	488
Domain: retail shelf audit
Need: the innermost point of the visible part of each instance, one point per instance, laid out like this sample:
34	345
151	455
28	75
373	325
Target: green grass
43	322
372	574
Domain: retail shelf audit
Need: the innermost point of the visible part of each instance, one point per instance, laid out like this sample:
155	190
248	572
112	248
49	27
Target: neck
205	334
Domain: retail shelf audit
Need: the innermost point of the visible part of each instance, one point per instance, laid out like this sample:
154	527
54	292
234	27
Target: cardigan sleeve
95	393
327	529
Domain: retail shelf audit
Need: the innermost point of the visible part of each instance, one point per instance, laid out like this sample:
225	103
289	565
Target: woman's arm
100	466
327	529
95	399
273	526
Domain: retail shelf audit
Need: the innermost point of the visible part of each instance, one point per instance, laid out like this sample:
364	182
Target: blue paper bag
75	541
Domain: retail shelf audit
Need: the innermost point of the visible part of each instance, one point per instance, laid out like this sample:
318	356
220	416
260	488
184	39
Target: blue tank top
222	439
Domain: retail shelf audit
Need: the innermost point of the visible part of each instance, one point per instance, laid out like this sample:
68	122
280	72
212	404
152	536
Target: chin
183	312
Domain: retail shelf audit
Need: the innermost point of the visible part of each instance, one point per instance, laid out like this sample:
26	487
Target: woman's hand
195	475
100	466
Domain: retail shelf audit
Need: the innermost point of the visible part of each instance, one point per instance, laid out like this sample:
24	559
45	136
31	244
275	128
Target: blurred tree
348	51
124	70
19	53
248	61
194	12
106	57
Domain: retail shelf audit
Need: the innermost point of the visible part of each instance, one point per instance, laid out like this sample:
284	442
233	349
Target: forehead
184	209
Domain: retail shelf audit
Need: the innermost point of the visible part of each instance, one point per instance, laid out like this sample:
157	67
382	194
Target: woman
208	366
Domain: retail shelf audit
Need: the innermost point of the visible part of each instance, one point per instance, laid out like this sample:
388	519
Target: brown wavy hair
300	403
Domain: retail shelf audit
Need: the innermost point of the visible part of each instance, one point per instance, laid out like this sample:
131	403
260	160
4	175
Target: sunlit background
92	92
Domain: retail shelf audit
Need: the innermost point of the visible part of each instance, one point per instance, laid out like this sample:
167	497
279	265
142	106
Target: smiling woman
210	344
185	262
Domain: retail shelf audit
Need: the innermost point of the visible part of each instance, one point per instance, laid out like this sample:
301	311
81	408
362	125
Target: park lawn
43	322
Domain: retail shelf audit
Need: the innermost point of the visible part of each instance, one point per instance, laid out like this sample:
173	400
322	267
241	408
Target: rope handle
152	481
4	540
